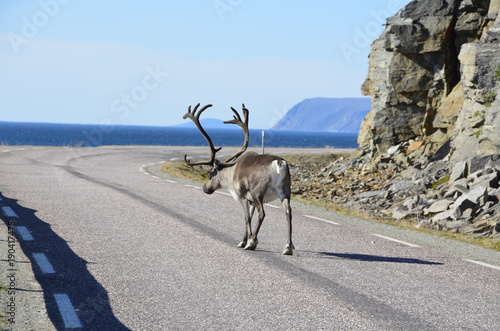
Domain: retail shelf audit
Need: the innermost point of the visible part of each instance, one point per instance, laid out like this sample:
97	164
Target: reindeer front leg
248	210
252	243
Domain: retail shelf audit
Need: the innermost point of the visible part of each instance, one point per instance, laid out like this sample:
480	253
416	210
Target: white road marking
322	220
155	177
68	313
192	186
223	193
6	151
272	206
170	181
483	264
24	233
43	263
7	211
174	159
395	240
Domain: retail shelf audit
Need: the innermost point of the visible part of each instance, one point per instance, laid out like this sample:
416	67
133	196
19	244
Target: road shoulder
22	300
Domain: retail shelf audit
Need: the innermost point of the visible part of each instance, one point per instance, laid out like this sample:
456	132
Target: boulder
472	199
438	207
459	171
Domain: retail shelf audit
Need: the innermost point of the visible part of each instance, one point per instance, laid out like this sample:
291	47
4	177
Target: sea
91	135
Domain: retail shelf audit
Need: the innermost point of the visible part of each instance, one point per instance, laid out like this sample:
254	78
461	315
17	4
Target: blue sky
142	63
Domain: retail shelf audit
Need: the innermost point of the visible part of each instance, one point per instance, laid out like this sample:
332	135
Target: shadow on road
71	275
376	258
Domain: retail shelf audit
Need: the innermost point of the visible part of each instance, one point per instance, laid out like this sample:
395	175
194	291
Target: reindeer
252	179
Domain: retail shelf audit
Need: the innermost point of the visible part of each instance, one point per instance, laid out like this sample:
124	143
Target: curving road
106	242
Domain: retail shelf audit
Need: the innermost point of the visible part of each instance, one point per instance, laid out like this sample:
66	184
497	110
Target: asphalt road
106	242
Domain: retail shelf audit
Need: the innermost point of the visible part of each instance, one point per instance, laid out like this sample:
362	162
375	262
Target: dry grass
182	170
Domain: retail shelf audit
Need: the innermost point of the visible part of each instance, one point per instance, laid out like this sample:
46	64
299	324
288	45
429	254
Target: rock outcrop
434	75
430	146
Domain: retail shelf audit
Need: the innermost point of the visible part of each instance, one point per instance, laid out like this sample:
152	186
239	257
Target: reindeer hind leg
288	211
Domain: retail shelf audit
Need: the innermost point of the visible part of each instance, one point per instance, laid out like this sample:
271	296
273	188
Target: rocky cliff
434	74
430	146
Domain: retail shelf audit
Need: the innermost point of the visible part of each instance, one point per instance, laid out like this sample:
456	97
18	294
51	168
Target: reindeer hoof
289	249
252	244
242	244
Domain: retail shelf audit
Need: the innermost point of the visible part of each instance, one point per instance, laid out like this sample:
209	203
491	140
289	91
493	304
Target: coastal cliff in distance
326	114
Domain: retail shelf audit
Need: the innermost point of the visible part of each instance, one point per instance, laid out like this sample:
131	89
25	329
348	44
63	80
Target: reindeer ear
217	165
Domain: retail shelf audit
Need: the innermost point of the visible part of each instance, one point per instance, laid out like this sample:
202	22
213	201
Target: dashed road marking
192	186
483	264
43	263
272	206
321	220
7	211
396	240
68	313
24	233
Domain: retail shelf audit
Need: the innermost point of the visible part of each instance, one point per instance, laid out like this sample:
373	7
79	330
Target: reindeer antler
242	124
195	117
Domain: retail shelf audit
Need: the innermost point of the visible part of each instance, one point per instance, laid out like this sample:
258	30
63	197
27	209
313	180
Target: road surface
106	242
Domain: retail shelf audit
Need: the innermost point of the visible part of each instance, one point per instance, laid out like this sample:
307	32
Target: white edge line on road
396	240
68	313
192	186
170	181
272	206
223	193
483	264
43	263
320	219
8	212
24	233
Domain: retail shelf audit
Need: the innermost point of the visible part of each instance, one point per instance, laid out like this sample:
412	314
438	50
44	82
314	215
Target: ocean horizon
93	135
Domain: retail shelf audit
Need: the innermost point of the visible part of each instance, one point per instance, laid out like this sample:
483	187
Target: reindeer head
216	179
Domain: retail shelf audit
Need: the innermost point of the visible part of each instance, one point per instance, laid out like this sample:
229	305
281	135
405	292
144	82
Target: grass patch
440	181
182	170
489	98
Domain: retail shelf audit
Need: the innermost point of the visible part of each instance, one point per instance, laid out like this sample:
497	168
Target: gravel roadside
22	299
